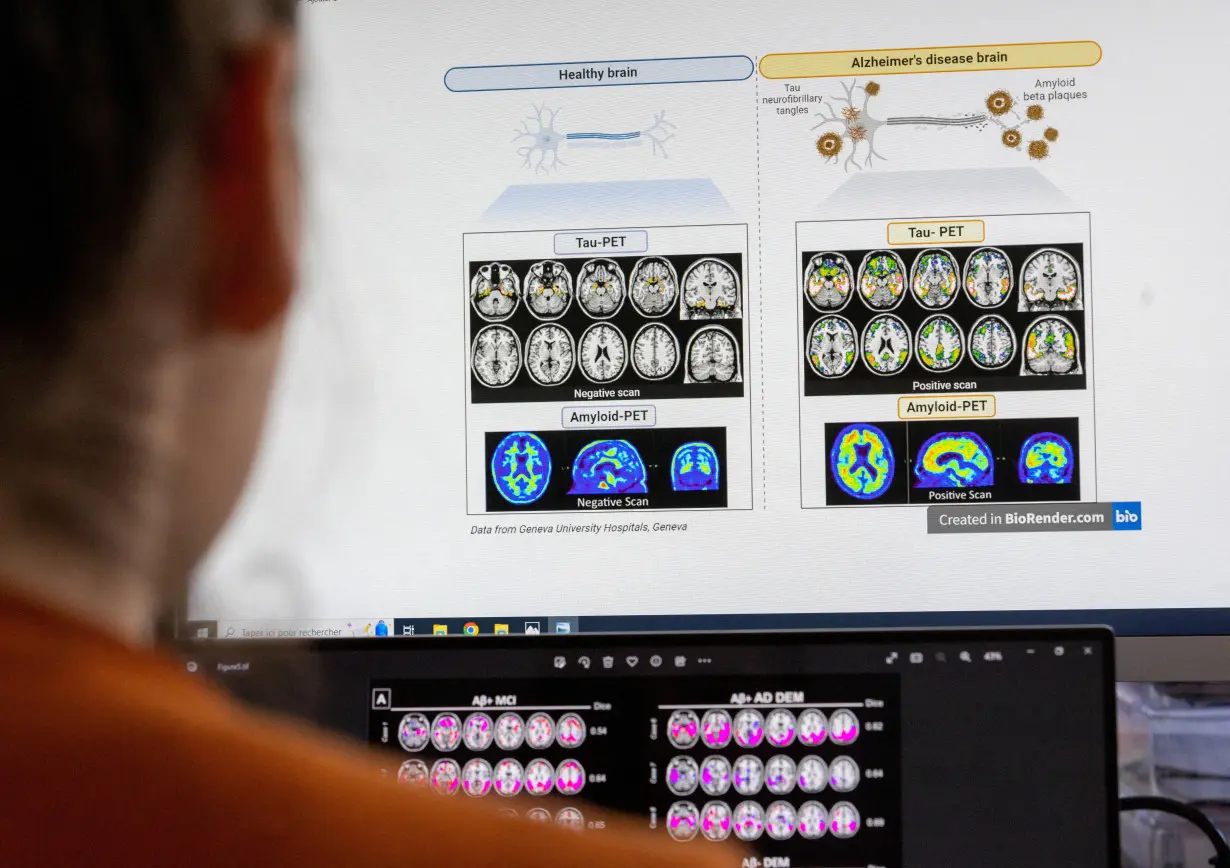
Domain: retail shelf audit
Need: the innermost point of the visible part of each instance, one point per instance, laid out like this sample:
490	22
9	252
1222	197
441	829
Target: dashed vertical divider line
760	290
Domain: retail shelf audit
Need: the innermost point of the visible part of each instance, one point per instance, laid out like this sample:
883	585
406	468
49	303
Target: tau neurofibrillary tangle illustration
849	127
539	141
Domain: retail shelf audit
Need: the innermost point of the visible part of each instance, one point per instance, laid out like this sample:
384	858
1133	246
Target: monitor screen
811	749
690	315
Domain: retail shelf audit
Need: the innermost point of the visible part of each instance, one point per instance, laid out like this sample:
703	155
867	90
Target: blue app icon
1127	516
382	629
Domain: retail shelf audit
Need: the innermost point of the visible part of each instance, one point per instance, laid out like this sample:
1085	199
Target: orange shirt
113	756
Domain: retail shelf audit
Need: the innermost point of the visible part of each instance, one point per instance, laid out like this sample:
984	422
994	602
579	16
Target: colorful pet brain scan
1052	348
934	279
495	291
548	290
1050	281
1047	459
521	468
862	461
886	345
988	277
881	280
655	286
694	467
992	343
609	467
828	282
958	459
832	347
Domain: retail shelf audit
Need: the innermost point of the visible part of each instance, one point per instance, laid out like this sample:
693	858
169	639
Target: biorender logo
1127	516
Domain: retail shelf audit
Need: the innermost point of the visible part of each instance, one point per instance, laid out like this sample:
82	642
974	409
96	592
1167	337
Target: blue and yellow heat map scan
1047	459
694	467
955	459
609	467
521	468
862	461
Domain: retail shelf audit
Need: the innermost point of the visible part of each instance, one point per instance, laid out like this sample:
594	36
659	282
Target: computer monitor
692	315
946	748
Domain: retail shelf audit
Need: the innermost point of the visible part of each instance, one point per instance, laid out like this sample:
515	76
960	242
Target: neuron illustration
832	347
992	343
954	460
538	140
521	468
1052	348
694	467
1047	459
848	126
609	467
862	461
886	345
712	356
934	279
881	280
828	282
988	277
1050	280
941	345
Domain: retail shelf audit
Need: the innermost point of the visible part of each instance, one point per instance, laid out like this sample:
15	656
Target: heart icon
632	661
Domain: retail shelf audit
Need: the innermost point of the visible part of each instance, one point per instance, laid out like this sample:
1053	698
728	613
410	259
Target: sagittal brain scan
521	468
715	821
862	462
549	355
495	292
600	288
1052	348
694	467
715	775
711	291
682	820
828	282
548	290
603	352
496	356
881	280
655	352
886	345
1051	280
958	459
988	277
940	344
992	343
655	286
713	357
832	347
934	279
1047	459
682	775
609	467
683	728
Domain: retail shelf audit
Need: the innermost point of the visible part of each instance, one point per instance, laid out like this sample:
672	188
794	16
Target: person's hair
101	95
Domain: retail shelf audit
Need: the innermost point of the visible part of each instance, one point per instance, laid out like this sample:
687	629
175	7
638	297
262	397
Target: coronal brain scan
413	773
1047	459
600	288
521	468
844	820
828	282
1052	348
715	821
655	352
780	820
934	279
843	774
509	731
813	774
496	356
539	777
509	777
749	728
988	277
941	345
570	731
992	343
539	731
832	347
476	778
694	467
446	777
548	289
549	355
495	292
711	291
843	727
813	727
570	777
682	775
779	727
813	820
886	345
713	357
683	728
715	729
862	462
603	352
881	280
682	820
609	467
749	821
655	286
715	775
478	732
1050	281
446	731
956	459
748	775
779	775
414	732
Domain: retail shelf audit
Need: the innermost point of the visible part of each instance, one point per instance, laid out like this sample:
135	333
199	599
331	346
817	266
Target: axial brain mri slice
604	353
862	461
549	355
548	290
712	357
609	467
1047	459
941	346
1052	348
655	286
828	282
655	352
601	288
881	280
886	345
832	347
1050	280
711	291
934	279
521	468
956	459
992	343
495	291
496	356
694	467
988	277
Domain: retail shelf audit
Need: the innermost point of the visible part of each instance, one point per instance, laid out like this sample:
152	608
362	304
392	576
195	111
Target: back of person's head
148	260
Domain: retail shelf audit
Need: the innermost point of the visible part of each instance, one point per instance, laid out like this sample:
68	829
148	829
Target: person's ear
252	192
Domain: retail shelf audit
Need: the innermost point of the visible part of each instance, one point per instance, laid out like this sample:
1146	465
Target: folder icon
501	629
439	629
